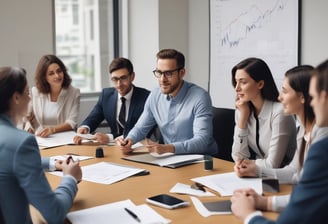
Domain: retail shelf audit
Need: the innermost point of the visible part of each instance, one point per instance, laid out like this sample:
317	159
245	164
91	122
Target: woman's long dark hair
299	79
258	70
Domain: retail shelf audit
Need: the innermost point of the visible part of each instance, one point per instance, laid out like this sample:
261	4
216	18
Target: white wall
314	33
26	34
143	40
158	24
199	36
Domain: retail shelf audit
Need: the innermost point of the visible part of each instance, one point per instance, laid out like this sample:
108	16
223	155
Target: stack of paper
171	161
227	183
116	213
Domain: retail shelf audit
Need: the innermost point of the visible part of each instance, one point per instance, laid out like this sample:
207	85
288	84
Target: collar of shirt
266	109
182	92
127	96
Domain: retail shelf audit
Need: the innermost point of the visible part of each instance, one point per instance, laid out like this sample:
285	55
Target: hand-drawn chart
267	29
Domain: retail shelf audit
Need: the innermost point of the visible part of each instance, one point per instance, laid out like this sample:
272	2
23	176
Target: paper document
168	161
227	183
106	173
116	213
74	157
92	138
186	189
86	136
61	138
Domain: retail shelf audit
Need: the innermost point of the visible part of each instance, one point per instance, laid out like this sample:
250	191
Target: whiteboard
267	29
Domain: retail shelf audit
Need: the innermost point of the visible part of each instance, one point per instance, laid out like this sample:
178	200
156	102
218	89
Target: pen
69	159
132	214
72	154
198	186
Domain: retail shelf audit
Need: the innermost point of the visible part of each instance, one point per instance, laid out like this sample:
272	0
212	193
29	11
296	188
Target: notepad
173	161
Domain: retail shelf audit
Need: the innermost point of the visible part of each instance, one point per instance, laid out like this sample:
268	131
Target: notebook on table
171	161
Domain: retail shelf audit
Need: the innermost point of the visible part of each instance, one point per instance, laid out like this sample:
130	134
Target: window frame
109	41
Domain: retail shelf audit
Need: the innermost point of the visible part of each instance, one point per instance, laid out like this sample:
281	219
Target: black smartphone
167	201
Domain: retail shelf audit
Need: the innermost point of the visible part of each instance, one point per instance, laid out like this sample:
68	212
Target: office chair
223	129
1	217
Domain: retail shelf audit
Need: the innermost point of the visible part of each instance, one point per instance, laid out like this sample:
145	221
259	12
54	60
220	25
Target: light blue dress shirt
184	120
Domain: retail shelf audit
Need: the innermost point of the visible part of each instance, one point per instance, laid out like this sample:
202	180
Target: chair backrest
1	217
223	129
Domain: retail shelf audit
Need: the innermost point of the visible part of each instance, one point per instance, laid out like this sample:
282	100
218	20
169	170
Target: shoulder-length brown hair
41	72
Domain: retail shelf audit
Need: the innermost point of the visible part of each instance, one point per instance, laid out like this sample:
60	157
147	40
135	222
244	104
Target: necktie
121	116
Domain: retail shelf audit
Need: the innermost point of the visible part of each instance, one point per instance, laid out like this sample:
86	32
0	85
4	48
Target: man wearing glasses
181	110
120	106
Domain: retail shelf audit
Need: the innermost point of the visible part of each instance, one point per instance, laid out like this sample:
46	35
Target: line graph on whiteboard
267	29
247	22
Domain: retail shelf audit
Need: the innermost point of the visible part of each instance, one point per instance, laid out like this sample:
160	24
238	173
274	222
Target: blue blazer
309	199
23	182
106	109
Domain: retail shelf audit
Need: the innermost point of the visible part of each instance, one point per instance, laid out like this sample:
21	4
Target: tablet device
167	201
270	185
218	206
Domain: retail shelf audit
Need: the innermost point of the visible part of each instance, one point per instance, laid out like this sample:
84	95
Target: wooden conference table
138	188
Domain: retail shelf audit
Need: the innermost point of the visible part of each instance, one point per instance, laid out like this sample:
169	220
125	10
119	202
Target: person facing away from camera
22	178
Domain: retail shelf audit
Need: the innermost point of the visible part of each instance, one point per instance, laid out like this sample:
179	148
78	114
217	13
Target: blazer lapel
62	100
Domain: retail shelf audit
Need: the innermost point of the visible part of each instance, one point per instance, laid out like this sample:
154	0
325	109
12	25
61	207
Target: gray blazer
23	182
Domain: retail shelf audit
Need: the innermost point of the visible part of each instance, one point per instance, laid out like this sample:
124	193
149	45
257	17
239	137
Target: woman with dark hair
308	202
296	100
22	178
55	102
262	132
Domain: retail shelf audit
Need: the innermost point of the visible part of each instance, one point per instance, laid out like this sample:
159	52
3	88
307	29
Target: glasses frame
123	78
168	74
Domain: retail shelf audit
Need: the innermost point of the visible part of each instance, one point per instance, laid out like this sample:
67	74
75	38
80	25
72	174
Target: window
84	41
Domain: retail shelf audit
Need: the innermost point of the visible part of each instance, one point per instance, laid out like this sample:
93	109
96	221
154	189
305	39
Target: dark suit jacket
106	109
309	200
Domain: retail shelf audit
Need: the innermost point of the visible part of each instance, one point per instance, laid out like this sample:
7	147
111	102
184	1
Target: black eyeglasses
167	74
122	78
